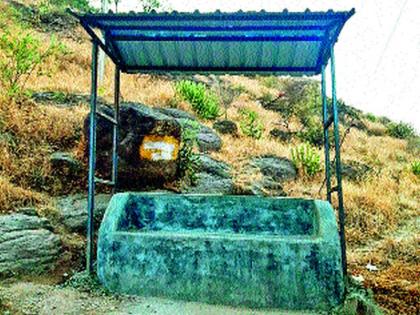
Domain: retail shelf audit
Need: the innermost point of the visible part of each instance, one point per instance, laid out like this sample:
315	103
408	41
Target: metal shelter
280	43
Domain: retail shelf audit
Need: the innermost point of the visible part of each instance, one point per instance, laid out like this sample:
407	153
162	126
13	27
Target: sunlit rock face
148	150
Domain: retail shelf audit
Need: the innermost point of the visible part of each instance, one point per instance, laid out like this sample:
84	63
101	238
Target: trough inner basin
217	214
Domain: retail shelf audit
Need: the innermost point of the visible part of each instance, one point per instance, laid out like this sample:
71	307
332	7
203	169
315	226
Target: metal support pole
326	136
101	56
115	140
92	157
341	214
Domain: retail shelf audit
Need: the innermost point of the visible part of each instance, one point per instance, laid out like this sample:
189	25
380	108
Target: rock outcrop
226	127
72	211
65	164
207	138
213	177
27	245
282	135
266	175
354	170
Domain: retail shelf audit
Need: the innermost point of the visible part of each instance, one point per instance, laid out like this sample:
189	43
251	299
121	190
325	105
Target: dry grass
29	134
13	197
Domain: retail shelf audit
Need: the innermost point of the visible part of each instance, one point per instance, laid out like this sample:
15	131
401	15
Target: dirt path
26	298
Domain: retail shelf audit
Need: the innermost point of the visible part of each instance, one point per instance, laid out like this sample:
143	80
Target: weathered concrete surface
236	250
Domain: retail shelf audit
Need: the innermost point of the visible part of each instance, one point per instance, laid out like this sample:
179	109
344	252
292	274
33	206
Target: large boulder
149	145
176	113
72	211
282	135
279	168
27	244
207	138
266	175
226	127
213	177
65	164
354	170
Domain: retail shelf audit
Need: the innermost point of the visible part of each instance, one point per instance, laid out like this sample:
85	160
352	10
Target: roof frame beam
220	69
128	38
217	28
218	16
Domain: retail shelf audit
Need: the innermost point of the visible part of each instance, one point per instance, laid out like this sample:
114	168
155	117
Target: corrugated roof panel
282	42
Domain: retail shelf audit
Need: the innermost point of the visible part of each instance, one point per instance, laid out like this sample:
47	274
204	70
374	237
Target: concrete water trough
235	250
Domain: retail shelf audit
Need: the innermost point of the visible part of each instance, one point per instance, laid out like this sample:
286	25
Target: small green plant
415	167
205	103
84	282
306	159
358	300
250	123
21	56
400	130
102	91
59	97
188	160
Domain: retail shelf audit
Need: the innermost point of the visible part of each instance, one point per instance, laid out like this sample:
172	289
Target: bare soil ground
41	299
394	270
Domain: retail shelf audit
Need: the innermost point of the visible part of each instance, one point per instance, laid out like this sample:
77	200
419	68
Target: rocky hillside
238	135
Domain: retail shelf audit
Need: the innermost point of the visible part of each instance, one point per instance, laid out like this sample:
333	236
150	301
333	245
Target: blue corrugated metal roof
285	42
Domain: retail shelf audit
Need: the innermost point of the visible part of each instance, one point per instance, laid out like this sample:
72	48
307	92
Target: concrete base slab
160	306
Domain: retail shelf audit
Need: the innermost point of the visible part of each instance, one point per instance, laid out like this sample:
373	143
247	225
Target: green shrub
413	145
415	167
204	102
371	117
48	6
313	134
271	82
300	98
21	56
306	159
149	5
188	161
239	89
250	123
226	95
400	130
